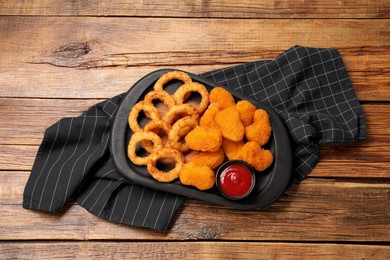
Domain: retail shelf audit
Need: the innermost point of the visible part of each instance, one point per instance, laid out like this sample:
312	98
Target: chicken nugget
211	159
256	156
260	130
208	118
246	110
233	150
230	124
222	97
199	176
204	139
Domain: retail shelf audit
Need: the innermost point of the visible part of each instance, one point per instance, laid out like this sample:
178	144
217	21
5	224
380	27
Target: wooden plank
361	154
23	121
46	81
188	250
46	57
316	210
213	8
351	169
366	151
374	164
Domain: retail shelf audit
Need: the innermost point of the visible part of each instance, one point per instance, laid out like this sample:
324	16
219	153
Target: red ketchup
236	181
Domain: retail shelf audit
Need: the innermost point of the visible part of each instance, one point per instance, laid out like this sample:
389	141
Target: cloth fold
308	87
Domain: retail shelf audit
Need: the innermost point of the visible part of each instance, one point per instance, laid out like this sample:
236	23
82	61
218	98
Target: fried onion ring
180	111
149	110
161	95
138	137
184	91
180	129
155	127
163	153
159	85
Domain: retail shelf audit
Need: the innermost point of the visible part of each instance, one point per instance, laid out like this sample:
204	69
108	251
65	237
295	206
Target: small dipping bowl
235	179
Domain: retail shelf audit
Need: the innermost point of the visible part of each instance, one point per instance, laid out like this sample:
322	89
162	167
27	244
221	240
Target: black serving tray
270	184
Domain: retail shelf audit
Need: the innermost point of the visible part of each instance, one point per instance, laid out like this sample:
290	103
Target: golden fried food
206	132
165	153
211	159
184	91
199	176
233	150
180	111
179	130
260	130
204	139
208	117
164	79
247	111
158	127
222	97
256	156
138	137
230	124
161	95
149	110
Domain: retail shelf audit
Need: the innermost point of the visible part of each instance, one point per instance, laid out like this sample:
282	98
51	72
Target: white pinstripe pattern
70	157
150	205
97	147
55	163
101	193
174	206
159	212
44	165
139	203
96	184
74	164
127	203
113	207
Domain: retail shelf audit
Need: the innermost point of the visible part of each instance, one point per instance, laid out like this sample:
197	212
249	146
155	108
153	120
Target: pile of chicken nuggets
198	137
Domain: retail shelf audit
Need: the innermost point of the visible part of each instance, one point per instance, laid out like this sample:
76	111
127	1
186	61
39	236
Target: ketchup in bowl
235	179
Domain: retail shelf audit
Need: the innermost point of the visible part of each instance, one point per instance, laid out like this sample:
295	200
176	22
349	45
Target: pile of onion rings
163	136
192	136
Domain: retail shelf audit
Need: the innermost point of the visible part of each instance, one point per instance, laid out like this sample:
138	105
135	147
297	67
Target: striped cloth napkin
308	87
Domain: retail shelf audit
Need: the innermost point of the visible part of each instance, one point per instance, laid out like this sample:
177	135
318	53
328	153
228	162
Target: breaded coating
204	139
260	130
230	124
208	118
246	110
256	156
199	176
222	97
233	150
211	159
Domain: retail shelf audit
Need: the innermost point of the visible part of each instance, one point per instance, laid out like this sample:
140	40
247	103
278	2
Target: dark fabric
310	90
73	163
308	87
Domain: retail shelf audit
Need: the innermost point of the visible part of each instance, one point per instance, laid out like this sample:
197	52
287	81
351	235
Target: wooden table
57	58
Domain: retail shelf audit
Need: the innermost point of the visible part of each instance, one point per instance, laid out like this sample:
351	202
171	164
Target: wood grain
57	58
212	8
186	250
374	165
23	121
113	53
317	209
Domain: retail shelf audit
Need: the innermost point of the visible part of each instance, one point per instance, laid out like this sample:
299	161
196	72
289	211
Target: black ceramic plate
270	184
